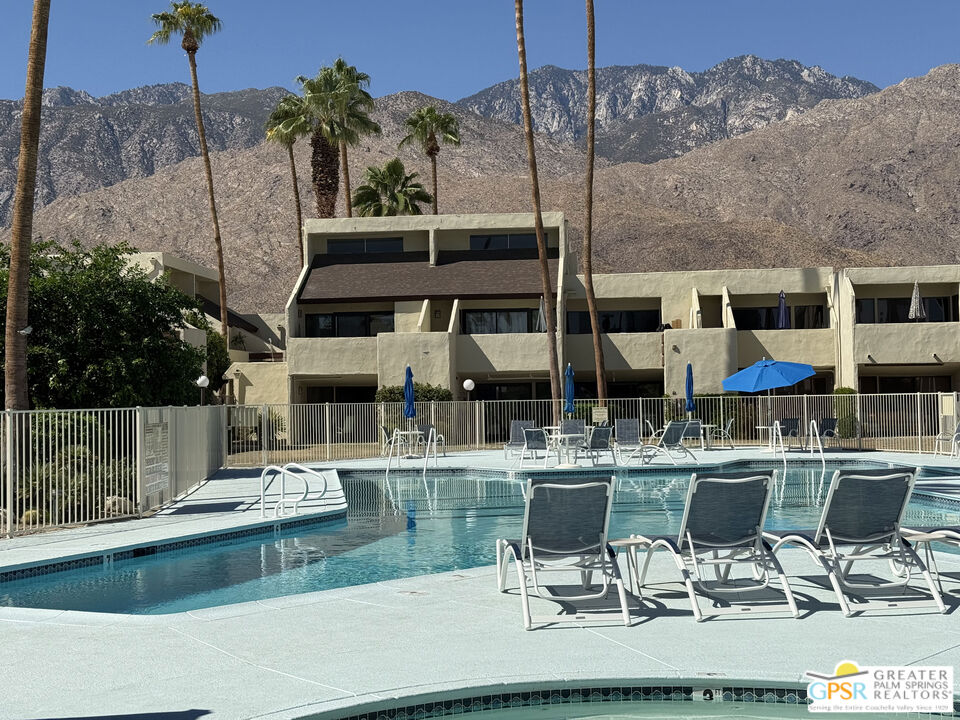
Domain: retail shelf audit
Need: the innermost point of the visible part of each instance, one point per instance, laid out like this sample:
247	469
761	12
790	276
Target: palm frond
184	17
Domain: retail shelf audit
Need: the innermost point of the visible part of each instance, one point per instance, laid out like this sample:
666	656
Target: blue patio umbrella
568	390
783	313
691	406
409	410
766	375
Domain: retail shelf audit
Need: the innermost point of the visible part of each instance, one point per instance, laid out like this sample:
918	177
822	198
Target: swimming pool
412	527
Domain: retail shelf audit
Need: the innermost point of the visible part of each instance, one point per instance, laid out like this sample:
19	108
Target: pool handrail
294	470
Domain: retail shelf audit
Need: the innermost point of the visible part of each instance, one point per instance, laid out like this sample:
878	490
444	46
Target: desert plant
845	406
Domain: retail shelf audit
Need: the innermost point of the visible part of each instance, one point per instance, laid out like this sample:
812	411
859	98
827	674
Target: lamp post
468	385
202	383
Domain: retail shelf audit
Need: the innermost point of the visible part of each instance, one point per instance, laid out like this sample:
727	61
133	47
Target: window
362	324
897	310
355	246
614	321
866	311
893	310
492	322
511	241
806	317
755	318
941	309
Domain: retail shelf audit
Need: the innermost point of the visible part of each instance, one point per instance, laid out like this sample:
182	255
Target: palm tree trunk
345	169
551	308
296	200
325	174
224	327
18	288
433	167
587	255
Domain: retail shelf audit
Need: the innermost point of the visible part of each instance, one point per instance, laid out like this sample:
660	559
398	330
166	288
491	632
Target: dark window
866	311
941	309
347	324
893	310
353	246
806	317
755	318
514	241
888	384
491	322
614	321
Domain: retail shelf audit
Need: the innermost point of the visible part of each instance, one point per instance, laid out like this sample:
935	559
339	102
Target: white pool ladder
293	470
815	435
778	442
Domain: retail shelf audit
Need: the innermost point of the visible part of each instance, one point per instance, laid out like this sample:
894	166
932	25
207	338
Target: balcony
922	343
815	346
508	352
332	356
621	351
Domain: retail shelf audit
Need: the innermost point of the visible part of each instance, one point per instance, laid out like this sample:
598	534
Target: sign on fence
156	459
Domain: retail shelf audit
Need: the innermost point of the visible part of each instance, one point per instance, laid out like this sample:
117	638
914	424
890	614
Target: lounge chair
425	431
515	444
573	427
694	431
599	442
790	428
722	526
861	521
565	523
923	538
949	435
670	442
723	433
627	431
534	440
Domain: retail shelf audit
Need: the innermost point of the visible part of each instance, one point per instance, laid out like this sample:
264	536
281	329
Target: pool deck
295	656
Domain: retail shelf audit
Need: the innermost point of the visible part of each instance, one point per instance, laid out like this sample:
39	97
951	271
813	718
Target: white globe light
203	381
468	385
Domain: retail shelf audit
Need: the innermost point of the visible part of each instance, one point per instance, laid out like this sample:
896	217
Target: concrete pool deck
295	656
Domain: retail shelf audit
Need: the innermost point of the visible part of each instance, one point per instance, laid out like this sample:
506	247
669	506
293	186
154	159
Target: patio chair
534	440
860	522
722	526
425	430
694	431
387	440
627	431
565	523
790	428
827	429
723	433
923	538
515	444
599	442
573	427
949	435
670	442
654	433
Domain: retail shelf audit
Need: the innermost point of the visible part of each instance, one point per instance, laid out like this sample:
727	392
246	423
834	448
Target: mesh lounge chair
668	444
627	436
723	433
565	523
599	442
827	429
722	525
515	444
861	521
534	440
425	431
949	435
694	431
573	427
790	428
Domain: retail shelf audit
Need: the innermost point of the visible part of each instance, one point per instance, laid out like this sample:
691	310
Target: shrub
846	408
422	392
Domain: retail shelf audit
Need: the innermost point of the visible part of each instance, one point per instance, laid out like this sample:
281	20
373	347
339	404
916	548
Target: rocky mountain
88	143
646	113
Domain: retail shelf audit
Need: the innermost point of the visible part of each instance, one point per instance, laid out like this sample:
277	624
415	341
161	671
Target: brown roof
409	276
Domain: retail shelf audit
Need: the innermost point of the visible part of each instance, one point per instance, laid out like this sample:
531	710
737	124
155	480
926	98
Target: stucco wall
711	351
907	343
258	383
332	356
515	352
814	347
621	351
427	354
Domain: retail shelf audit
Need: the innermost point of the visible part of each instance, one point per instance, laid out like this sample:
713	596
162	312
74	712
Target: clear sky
452	48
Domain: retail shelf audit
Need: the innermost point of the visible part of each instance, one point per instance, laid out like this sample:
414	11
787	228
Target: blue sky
452	48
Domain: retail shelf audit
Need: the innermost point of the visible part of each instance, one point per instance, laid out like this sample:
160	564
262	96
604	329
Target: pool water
411	528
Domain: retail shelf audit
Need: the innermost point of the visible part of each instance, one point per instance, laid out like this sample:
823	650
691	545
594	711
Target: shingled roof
409	276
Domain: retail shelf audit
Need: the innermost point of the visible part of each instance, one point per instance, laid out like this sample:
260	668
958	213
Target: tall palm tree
195	22
548	299
18	290
289	121
340	108
587	254
389	191
428	127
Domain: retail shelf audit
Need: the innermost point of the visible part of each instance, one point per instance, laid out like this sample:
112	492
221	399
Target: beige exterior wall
332	356
925	343
260	383
429	355
814	347
711	351
621	351
514	353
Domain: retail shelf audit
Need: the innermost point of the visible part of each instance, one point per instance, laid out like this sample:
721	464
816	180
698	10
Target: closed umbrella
691	406
917	311
541	325
568	390
783	313
409	410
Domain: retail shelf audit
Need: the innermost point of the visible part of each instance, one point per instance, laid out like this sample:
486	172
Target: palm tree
389	191
340	108
428	126
548	299
587	254
288	122
195	22
18	290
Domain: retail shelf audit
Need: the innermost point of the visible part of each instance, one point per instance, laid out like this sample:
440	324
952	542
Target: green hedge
422	392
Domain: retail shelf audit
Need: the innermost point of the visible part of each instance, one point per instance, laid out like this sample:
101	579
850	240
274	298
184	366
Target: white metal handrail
778	441
296	470
815	435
